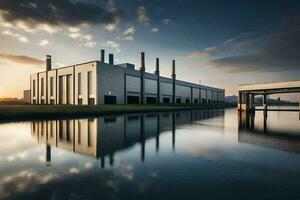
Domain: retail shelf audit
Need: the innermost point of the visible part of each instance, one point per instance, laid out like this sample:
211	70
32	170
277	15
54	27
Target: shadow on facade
104	136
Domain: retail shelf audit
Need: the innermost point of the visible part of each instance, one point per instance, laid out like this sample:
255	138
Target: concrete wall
111	82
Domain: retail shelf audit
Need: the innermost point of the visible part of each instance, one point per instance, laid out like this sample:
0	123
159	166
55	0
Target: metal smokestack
111	59
143	61
174	81
158	81
102	55
142	78
48	62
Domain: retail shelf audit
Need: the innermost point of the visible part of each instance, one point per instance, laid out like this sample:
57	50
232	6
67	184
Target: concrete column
251	103
174	82
142	78
192	98
265	105
157	72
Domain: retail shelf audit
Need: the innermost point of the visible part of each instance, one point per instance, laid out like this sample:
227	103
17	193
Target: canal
199	154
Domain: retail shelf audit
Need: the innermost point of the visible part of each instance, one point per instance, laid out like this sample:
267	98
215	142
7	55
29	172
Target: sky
220	43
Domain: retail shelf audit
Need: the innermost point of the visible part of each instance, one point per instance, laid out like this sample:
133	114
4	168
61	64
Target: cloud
48	14
142	15
74	29
20	37
75	33
154	30
277	50
209	51
21	59
43	42
166	21
129	38
129	31
90	44
113	45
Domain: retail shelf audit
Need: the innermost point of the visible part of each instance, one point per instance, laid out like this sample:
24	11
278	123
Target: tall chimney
111	59
173	82
142	78
48	62
102	55
158	80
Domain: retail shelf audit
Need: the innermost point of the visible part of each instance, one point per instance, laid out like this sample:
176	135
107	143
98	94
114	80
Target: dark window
42	86
133	100
34	101
60	82
178	100
68	97
91	101
52	101
33	88
51	86
195	100
79	101
166	100
208	100
150	100
79	83
187	100
42	101
110	99
203	100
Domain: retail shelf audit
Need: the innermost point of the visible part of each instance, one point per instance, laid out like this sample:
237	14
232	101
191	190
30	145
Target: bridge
247	92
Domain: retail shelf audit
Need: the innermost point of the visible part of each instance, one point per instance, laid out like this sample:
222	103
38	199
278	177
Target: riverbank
30	112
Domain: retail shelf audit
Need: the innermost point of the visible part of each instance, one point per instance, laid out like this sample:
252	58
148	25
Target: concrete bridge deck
247	92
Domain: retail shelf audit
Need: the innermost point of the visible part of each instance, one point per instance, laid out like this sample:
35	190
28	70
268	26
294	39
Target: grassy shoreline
31	112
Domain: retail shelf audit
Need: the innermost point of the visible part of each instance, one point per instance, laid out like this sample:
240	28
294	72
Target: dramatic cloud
113	45
209	51
154	30
20	37
142	15
21	59
48	14
276	51
43	42
129	31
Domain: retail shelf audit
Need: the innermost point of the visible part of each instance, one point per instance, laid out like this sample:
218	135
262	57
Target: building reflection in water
102	137
252	133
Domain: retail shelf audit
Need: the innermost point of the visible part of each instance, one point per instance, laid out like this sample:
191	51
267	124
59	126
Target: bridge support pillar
265	104
243	104
251	103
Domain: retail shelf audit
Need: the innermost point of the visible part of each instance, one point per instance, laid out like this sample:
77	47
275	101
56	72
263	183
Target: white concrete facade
97	82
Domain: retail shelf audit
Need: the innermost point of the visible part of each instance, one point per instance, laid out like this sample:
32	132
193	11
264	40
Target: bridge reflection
104	136
250	132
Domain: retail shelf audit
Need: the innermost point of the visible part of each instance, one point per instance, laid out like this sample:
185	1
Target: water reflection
104	136
261	129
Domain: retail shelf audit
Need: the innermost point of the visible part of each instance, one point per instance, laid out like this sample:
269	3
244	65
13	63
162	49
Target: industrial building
97	82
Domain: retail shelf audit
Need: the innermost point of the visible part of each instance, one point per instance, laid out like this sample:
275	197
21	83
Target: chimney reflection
104	136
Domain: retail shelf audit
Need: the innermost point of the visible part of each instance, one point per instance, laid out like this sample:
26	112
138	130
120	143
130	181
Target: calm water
175	155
